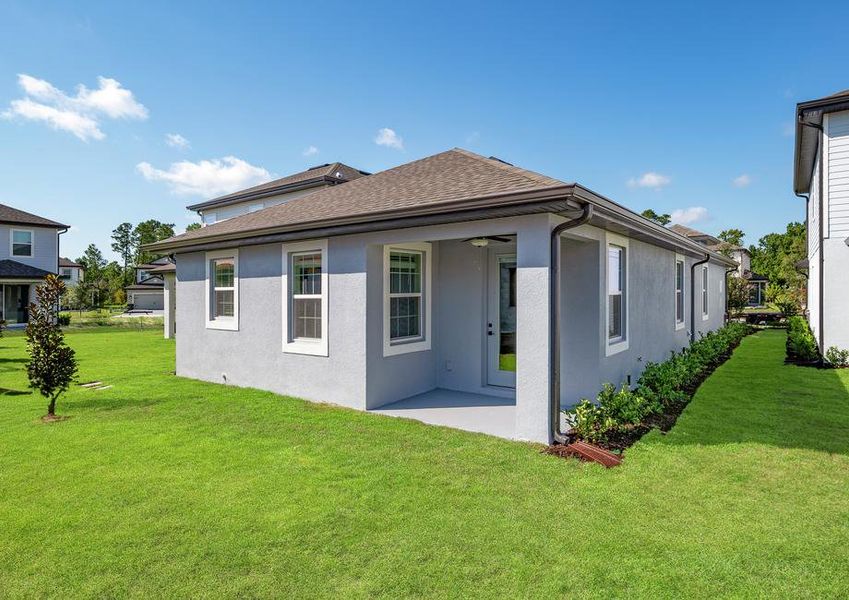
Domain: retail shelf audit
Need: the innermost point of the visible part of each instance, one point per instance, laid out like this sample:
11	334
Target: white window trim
705	292
318	347
31	233
393	349
223	323
622	344
679	325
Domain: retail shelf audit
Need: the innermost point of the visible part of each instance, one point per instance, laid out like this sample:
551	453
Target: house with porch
457	289
29	251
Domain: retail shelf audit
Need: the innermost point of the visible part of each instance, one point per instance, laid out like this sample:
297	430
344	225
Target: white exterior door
501	318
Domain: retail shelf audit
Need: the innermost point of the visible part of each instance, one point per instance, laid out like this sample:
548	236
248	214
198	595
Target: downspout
554	321
821	261
693	296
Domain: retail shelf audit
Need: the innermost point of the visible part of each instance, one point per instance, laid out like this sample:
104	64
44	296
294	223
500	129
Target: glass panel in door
501	325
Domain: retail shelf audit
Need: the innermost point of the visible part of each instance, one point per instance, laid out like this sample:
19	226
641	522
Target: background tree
776	256
148	232
731	239
52	364
738	295
193	226
663	219
125	244
93	286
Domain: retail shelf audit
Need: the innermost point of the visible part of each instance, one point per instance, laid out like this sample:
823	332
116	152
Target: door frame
492	325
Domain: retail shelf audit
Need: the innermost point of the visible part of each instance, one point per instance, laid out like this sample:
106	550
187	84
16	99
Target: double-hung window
406	298
222	287
679	292
305	298
22	243
704	293
617	294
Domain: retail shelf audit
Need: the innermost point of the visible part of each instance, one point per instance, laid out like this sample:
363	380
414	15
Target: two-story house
147	291
29	250
70	272
274	192
821	178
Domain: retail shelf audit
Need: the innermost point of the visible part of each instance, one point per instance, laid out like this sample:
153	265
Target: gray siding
46	247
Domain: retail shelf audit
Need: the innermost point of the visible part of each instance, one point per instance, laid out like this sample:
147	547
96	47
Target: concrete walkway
492	415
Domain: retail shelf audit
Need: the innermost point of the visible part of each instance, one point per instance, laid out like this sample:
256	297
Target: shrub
661	386
801	344
64	319
52	365
836	357
615	411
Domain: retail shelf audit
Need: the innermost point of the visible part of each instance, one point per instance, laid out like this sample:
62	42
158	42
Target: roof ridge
526	173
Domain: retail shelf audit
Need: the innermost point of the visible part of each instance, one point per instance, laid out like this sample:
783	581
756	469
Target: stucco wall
253	355
651	330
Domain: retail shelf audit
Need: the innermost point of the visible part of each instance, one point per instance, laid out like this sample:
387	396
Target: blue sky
656	105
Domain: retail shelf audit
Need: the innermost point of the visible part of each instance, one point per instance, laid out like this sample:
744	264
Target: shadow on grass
8	392
756	398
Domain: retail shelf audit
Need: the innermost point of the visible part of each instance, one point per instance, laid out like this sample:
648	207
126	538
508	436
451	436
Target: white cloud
387	137
175	140
79	115
788	129
473	138
692	214
742	181
310	151
650	180
207	177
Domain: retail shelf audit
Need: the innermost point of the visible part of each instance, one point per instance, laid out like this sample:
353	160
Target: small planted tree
52	365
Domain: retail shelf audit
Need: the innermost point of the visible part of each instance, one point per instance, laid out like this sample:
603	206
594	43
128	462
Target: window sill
306	347
616	347
390	349
680	326
705	317
225	325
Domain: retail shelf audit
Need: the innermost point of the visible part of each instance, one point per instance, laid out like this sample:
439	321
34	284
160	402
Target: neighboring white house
29	250
456	289
148	290
756	283
821	177
274	192
70	272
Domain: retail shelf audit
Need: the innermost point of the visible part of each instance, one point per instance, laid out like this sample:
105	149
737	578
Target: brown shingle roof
67	262
20	217
12	269
687	231
329	173
451	176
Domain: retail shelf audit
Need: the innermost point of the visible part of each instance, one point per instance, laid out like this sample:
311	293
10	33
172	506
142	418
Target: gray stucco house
29	250
456	289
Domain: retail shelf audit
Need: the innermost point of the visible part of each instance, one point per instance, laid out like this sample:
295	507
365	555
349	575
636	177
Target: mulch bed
620	441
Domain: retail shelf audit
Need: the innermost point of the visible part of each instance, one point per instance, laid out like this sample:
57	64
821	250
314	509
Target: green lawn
162	486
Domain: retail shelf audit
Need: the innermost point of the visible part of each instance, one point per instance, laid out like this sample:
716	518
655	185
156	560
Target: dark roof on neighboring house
20	217
692	233
66	262
809	119
140	287
167	268
151	283
752	276
327	174
12	269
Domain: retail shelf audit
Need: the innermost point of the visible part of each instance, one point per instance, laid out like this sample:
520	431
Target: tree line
103	281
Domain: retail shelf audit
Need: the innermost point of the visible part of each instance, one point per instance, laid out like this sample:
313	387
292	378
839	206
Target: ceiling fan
484	240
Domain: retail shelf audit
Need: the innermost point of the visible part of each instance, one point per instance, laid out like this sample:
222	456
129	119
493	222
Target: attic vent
499	160
338	174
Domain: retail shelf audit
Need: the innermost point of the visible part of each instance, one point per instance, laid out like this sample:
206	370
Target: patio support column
532	335
170	304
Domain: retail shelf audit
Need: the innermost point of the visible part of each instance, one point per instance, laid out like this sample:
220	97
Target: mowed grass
165	487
